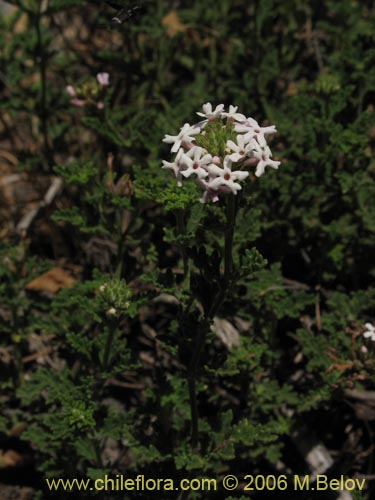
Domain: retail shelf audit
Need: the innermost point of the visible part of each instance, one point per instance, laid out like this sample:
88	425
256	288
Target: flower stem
203	332
120	247
193	411
182	230
192	375
229	231
43	84
108	345
228	257
120	259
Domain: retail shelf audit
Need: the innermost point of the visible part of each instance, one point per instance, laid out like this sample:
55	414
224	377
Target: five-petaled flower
263	154
175	166
233	115
253	130
209	113
195	163
241	149
185	135
226	177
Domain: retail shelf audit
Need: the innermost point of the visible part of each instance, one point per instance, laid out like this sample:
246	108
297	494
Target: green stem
43	84
192	375
120	259
203	332
193	411
121	141
192	370
120	247
228	257
229	231
108	345
182	231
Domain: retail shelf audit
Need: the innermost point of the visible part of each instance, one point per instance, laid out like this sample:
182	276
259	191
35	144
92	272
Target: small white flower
195	163
233	115
111	311
241	149
175	166
102	288
210	114
253	130
370	332
186	135
225	177
263	154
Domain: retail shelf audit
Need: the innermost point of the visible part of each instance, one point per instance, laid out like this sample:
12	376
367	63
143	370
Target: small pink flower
75	100
251	161
209	194
188	145
78	102
103	79
70	90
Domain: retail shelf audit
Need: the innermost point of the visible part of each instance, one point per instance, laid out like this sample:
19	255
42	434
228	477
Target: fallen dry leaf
51	282
9	458
18	429
173	24
9	157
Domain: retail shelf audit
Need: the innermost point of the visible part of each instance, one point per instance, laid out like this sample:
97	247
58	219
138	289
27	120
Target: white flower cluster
198	151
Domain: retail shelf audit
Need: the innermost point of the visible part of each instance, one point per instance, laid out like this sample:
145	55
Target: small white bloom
195	163
253	130
210	114
263	154
225	177
111	311
175	166
370	332
241	149
102	288
186	135
233	115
